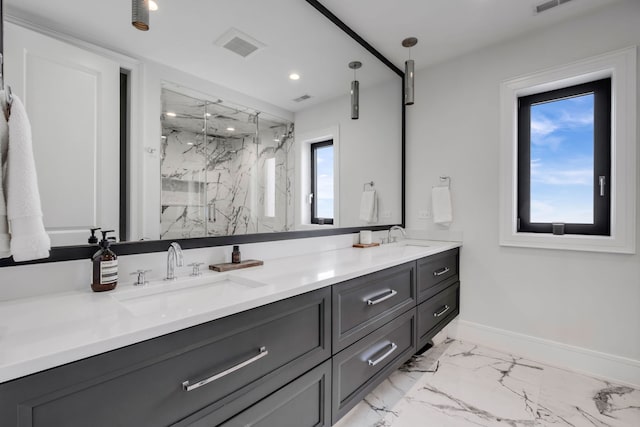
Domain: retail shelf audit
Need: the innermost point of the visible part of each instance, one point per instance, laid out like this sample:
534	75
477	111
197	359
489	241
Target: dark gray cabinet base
302	362
303	403
365	364
142	385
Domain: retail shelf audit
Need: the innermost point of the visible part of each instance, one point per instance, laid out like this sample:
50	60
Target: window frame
621	66
313	148
601	90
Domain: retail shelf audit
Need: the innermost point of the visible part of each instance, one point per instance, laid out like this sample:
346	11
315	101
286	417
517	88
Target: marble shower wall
217	186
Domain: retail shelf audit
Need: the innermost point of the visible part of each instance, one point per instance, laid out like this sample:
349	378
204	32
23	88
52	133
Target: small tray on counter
365	245
229	266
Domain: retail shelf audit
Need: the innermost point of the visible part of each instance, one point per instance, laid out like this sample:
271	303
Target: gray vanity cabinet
363	365
300	362
363	304
302	403
163	381
435	313
437	272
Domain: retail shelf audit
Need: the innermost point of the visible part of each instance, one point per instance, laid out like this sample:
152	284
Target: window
552	174
270	187
564	160
322	194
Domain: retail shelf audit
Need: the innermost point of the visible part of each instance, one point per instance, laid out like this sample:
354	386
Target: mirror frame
69	253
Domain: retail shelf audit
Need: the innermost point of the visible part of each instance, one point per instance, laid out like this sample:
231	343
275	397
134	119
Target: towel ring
370	183
446	180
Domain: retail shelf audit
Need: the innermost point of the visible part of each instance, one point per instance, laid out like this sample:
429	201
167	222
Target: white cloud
561	177
560	211
542	126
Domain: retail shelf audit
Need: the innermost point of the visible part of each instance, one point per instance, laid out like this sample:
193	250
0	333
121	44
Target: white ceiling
297	37
448	28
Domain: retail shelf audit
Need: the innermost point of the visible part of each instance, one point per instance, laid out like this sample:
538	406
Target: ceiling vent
302	98
543	7
239	43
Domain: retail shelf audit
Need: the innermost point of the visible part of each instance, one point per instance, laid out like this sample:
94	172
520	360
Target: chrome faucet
395	227
174	259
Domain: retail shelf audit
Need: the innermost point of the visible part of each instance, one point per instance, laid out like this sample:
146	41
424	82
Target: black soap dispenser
105	266
93	239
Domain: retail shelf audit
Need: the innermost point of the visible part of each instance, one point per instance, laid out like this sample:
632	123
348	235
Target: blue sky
324	173
562	161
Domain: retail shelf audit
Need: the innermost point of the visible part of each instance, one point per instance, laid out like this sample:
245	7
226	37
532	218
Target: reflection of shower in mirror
225	169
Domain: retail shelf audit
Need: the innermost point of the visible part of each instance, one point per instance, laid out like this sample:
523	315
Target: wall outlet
425	214
385	214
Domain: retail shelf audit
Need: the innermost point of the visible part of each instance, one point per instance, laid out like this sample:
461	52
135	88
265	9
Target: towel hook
370	183
446	179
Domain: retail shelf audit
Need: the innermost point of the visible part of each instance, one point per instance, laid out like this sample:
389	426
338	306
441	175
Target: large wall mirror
195	130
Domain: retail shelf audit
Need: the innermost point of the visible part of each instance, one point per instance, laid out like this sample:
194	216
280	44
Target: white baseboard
601	365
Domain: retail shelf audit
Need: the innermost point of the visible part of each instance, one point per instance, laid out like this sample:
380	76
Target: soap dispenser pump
93	239
105	265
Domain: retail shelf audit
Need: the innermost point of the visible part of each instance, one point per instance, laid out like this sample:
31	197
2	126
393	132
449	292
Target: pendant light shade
355	91
409	74
140	14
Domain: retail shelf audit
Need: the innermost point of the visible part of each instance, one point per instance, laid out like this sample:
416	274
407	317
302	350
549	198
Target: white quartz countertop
47	331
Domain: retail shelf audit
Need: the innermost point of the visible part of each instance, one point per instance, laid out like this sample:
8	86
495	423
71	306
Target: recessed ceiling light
189	143
231	129
153	6
171	114
276	140
163	137
207	114
294	76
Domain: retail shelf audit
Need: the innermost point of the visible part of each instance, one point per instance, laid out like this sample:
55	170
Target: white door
72	98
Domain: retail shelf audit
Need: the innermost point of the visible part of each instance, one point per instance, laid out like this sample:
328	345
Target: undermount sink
418	243
185	296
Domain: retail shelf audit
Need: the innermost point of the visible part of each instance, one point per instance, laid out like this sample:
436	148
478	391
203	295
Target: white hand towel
369	206
5	238
441	205
29	239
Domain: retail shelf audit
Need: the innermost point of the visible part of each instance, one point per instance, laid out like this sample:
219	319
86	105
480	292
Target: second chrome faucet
174	259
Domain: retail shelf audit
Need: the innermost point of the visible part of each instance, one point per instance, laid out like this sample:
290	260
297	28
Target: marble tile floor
457	384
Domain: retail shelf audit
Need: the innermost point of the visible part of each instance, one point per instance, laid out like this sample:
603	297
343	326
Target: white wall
586	300
370	148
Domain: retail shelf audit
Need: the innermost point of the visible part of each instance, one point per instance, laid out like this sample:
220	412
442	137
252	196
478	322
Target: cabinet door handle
441	312
441	272
187	386
393	348
379	299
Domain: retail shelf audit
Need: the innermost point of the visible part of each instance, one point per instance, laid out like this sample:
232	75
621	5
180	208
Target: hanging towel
441	205
5	238
29	239
369	206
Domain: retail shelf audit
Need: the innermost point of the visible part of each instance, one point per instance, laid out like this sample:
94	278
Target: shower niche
225	169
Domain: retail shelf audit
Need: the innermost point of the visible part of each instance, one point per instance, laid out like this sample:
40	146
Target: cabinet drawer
363	304
436	273
436	312
363	365
303	403
260	349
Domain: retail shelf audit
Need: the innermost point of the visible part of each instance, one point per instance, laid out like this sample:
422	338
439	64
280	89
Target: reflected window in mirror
322	179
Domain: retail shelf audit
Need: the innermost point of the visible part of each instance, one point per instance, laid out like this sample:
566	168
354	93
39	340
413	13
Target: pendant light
409	76
140	14
355	91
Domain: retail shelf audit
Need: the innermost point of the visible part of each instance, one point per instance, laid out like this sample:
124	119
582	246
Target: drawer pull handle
441	272
189	387
393	348
378	300
441	312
